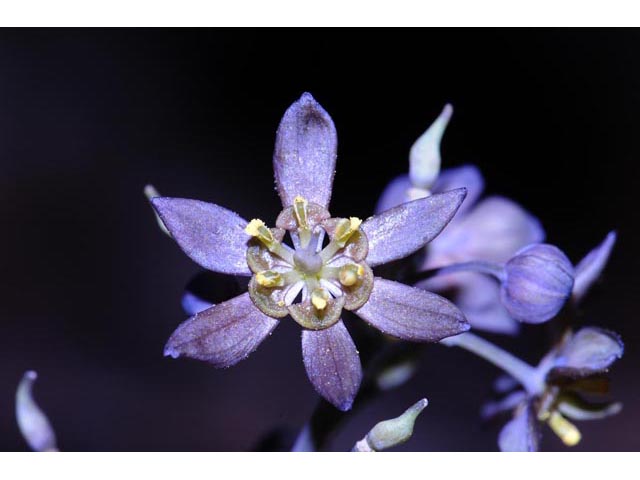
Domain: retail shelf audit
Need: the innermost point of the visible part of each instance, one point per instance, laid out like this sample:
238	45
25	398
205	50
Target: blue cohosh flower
553	391
309	282
491	229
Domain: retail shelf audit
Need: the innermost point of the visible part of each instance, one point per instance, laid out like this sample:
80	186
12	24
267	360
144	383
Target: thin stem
488	268
524	373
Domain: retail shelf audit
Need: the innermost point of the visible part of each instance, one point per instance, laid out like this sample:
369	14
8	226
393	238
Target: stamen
270	279
345	229
320	298
349	274
300	211
256	228
293	292
567	431
334	289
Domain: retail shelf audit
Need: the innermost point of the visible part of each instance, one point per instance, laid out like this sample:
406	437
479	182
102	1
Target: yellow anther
269	279
300	211
567	431
257	228
345	229
320	298
349	274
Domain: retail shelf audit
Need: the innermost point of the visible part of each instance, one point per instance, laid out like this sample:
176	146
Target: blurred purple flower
571	370
493	230
591	266
309	282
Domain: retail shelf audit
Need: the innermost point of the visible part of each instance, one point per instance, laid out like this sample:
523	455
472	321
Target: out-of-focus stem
524	373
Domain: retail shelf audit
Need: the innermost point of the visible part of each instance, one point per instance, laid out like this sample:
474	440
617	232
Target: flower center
307	261
311	283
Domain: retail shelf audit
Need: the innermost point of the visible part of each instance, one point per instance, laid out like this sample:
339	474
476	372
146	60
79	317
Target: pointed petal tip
169	351
306	99
344	406
447	111
305	153
150	191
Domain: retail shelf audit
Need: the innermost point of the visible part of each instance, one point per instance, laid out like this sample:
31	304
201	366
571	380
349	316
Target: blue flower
307	281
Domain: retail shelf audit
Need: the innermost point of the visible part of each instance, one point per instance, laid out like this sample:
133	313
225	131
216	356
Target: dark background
90	287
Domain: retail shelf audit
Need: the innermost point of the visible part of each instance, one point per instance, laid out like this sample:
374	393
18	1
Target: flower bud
32	421
424	158
391	433
538	281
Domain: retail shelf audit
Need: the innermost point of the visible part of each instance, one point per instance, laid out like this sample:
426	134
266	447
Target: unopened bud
33	423
390	433
424	157
538	281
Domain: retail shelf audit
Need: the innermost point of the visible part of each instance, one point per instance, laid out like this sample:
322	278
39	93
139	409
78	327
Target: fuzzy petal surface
304	160
333	364
223	334
465	176
410	313
404	229
591	266
492	231
394	194
478	296
591	350
210	235
521	434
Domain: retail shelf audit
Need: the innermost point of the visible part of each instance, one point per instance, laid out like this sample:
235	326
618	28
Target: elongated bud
33	423
538	281
424	157
390	433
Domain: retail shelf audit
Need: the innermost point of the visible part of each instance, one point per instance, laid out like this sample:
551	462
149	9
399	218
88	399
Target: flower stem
488	268
524	373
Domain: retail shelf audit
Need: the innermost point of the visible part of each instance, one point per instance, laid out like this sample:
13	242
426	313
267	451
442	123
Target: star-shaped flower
311	282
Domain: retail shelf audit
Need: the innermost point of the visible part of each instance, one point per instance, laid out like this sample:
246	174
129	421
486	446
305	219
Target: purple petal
492	409
398	232
493	231
394	194
332	363
304	159
192	304
590	350
467	176
522	433
411	314
591	266
478	296
222	335
210	235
